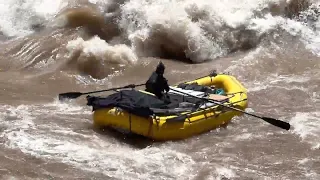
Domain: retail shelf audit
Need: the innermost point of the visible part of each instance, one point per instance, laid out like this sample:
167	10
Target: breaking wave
266	44
192	31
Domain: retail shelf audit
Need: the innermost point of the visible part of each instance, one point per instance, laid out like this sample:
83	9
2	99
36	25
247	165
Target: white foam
174	18
310	36
244	136
307	126
202	40
101	50
58	107
275	80
224	172
101	157
307	166
265	24
16	16
249	110
219	172
50	140
16	117
249	59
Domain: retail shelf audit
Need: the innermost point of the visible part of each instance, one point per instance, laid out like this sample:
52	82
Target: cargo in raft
142	113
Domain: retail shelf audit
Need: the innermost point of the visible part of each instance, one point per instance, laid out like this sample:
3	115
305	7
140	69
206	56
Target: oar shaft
73	95
111	89
233	108
272	121
212	101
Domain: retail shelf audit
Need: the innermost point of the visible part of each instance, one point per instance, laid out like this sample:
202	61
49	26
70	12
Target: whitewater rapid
51	47
196	30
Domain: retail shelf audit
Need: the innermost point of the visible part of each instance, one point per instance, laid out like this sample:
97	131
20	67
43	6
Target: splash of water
96	56
19	18
187	30
88	152
306	125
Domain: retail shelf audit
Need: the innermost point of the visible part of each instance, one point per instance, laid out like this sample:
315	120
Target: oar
73	95
275	122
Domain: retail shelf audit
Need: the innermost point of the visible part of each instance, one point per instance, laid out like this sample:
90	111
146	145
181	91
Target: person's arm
166	86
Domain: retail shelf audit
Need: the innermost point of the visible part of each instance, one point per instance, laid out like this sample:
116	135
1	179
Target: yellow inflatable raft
142	113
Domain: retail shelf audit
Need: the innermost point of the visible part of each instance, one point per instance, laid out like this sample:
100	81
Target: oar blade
278	123
69	95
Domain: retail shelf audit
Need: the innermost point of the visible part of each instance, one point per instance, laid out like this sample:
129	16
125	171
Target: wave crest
97	58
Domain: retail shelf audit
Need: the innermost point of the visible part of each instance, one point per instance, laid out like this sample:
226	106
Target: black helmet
160	68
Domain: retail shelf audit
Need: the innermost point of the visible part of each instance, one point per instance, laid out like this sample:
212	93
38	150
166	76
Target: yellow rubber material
198	122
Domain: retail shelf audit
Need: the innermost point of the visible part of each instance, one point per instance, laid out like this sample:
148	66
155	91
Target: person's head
160	68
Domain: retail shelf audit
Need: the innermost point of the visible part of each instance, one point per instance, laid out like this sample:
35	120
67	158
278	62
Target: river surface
49	47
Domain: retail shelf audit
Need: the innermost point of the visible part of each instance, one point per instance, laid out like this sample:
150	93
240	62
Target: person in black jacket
157	84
